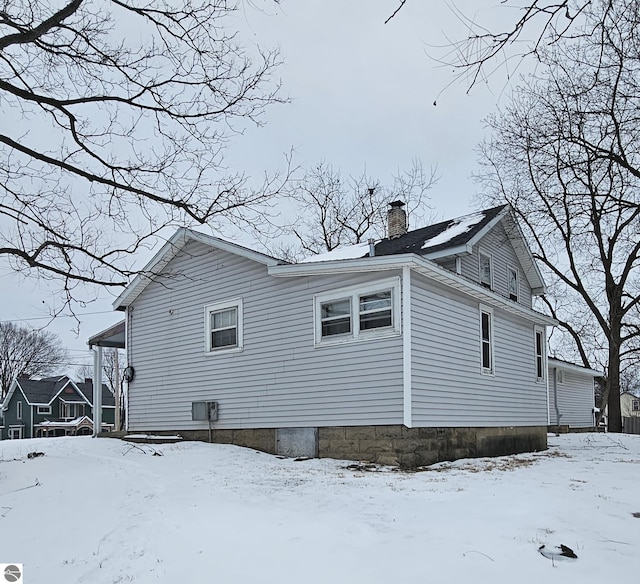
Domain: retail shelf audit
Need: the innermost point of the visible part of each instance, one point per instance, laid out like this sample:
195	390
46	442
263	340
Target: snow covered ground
105	511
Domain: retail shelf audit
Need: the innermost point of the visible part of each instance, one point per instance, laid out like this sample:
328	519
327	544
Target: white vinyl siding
448	387
497	243
280	378
572	400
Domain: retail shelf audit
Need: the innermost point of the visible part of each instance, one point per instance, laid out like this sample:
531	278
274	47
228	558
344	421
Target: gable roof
441	238
86	388
44	391
38	391
170	249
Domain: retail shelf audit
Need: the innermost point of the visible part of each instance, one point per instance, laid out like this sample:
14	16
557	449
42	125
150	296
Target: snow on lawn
105	511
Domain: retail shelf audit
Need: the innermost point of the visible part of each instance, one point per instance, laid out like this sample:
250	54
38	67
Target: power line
51	317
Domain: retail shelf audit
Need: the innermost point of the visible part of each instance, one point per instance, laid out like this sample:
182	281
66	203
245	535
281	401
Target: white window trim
218	306
492	353
543	368
481	253
13	429
353	292
19	410
513	268
43	410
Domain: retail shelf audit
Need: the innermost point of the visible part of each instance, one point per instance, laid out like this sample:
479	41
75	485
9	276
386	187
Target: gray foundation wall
394	444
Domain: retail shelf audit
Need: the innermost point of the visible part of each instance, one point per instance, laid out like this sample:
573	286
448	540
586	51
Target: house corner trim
406	346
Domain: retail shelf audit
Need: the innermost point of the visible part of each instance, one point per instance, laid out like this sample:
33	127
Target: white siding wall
280	379
448	386
575	400
497	244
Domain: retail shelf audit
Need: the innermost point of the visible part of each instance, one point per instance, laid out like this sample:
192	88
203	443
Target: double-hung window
636	405
223	326
486	340
512	281
486	276
358	312
539	350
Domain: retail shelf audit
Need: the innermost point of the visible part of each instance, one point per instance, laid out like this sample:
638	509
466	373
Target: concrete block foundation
394	445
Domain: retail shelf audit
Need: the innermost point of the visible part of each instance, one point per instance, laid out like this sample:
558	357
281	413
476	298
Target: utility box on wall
204	411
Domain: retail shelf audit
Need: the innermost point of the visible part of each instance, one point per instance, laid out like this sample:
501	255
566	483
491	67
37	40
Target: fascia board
449	252
367	264
488	227
574	367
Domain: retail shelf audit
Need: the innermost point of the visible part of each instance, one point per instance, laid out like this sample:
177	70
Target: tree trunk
614	421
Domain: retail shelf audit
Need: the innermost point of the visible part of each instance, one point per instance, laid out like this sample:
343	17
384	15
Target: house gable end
175	245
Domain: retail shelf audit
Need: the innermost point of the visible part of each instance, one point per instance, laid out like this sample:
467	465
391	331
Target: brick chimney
396	219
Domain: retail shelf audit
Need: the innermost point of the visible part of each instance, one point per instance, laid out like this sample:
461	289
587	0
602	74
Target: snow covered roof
348	252
66	423
453	233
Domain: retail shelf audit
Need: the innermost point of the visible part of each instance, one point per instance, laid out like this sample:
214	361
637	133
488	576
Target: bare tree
537	24
108	368
116	114
26	352
334	211
566	155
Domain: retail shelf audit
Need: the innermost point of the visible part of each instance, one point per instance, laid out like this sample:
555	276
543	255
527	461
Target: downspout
406	346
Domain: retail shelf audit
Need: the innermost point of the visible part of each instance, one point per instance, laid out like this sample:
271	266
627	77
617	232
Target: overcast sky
362	93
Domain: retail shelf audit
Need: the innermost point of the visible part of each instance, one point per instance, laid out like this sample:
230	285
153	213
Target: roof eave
170	249
423	265
574	367
459	250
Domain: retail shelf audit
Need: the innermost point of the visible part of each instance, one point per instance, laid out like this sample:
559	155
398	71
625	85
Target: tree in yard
109	370
115	115
334	211
566	154
26	352
529	28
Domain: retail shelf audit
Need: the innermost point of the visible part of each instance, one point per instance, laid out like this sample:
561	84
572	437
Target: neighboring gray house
419	348
571	395
53	406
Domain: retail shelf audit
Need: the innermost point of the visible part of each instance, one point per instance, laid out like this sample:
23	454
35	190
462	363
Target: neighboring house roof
170	249
560	364
87	390
42	392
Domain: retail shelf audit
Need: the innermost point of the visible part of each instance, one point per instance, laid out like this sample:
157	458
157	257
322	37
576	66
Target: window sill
223	351
347	340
